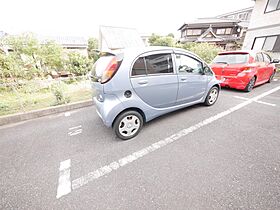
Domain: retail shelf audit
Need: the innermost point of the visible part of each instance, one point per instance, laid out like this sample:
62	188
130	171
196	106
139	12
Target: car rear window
231	58
139	67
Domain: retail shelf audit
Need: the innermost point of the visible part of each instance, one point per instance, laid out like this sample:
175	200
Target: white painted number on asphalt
115	165
75	130
67	114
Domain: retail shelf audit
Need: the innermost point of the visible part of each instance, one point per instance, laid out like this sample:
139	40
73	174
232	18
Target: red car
243	69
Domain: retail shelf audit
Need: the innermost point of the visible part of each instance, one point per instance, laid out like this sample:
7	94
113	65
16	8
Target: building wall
262	24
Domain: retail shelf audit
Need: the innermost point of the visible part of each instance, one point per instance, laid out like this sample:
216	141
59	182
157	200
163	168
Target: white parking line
257	101
115	165
64	181
265	103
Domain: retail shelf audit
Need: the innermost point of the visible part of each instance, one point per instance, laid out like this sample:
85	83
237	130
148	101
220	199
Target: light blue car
140	84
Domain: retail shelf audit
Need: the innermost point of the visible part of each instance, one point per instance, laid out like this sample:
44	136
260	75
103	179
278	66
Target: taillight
245	70
110	70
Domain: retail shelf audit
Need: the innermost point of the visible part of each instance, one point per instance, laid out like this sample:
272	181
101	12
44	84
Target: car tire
271	77
212	96
250	85
128	124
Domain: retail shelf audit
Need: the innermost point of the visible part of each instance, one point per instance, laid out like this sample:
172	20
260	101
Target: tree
93	49
156	40
78	64
171	35
204	50
51	56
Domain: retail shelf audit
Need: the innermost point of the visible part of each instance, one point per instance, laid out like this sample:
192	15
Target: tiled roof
65	41
120	38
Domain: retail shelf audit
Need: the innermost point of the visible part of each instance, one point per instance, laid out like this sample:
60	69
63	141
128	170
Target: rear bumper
234	82
108	109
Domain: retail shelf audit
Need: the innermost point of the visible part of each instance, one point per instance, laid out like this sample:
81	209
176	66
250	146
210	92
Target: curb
14	118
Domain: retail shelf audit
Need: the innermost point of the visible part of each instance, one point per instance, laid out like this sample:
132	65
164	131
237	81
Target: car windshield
231	59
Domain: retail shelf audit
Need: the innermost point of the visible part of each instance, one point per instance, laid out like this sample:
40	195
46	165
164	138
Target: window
259	58
221	31
139	67
266	58
159	63
153	64
228	31
272	5
186	64
234	58
276	47
258	43
269	43
193	32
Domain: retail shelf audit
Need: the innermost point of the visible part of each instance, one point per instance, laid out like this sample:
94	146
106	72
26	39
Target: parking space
221	157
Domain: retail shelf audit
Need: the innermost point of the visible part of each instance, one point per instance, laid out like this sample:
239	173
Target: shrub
58	89
204	50
78	64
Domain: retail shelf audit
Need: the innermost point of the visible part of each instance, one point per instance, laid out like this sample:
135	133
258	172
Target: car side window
188	65
259	57
139	67
159	64
266	57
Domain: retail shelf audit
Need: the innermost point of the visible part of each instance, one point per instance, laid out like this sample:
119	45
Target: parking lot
226	156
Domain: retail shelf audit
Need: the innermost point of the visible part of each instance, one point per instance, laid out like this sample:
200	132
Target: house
69	43
117	38
227	30
264	28
3	47
145	38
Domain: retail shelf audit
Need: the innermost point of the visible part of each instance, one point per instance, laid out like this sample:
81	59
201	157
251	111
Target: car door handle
183	78
143	82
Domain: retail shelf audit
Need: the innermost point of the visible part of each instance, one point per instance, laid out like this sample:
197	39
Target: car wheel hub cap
129	125
213	96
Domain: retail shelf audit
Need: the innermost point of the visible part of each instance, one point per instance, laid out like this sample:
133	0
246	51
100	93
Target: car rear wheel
250	84
271	77
128	125
212	96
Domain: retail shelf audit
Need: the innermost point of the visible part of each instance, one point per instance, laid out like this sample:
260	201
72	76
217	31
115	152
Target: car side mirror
206	70
275	61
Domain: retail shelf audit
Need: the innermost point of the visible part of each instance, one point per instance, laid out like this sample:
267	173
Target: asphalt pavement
222	161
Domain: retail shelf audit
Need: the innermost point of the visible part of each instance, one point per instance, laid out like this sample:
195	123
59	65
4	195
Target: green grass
10	102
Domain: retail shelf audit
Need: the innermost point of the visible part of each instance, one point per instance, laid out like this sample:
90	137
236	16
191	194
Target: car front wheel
212	96
128	124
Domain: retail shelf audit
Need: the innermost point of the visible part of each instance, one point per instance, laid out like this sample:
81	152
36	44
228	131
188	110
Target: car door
154	80
269	67
260	67
192	81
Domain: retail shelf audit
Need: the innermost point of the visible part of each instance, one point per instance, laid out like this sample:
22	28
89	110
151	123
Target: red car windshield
231	59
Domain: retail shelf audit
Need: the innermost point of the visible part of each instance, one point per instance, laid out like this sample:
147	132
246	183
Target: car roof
141	50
